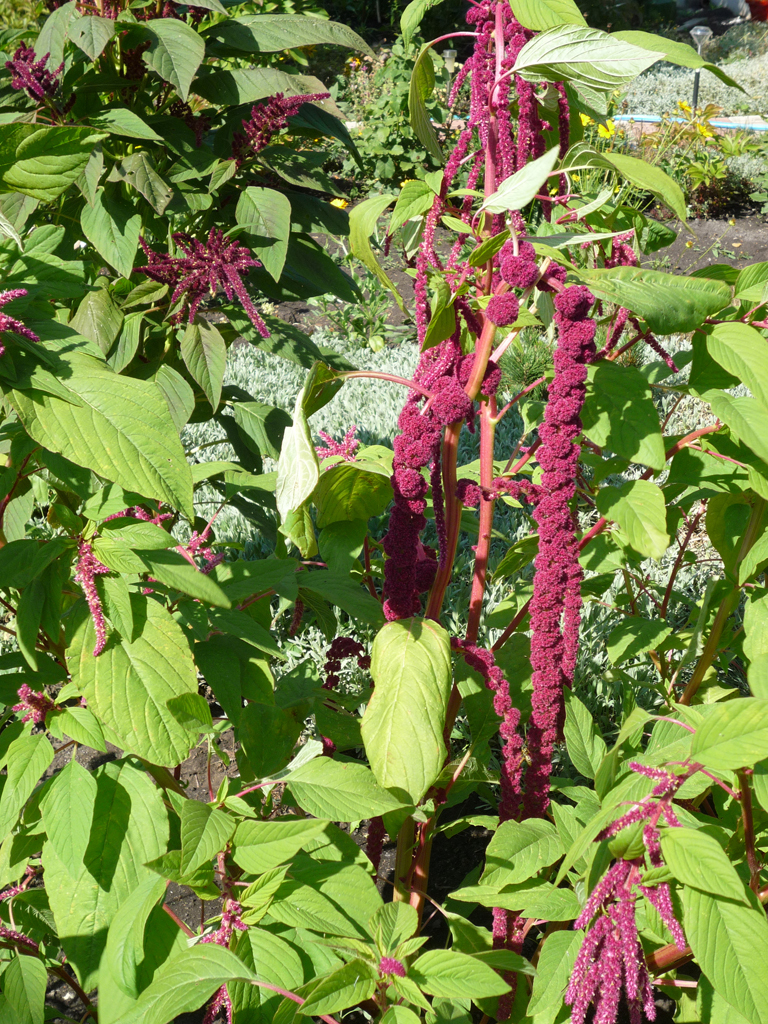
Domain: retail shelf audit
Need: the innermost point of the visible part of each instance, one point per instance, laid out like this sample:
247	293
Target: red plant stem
517	398
749	831
392	377
368	578
678	562
19	476
488	422
512	626
452	519
177	920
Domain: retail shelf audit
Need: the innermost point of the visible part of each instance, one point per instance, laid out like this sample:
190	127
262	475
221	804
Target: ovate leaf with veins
129	685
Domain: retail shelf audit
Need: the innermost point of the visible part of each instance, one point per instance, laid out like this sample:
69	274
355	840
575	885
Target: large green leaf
112	226
122	431
347	492
733	735
422	87
638	508
28	757
362	224
186	982
543	14
740	349
125	942
553	973
676	53
67	808
520	188
619	414
339	791
205	831
635	636
232	88
586	747
403	724
24	984
275	961
518	850
98	318
669	303
696	859
730	943
298	470
138	171
91	34
175	53
129	827
443	972
583	56
346	986
746	417
43	162
264	425
55	32
129	685
204	352
260	846
122	121
270	33
266	216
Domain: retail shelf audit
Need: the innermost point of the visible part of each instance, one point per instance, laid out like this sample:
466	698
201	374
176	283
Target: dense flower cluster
346	448
87	569
9	323
388	965
206	266
30	75
556	603
611	958
35	706
342	647
266	120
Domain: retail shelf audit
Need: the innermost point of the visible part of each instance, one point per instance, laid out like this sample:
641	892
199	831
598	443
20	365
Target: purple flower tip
502	310
389	965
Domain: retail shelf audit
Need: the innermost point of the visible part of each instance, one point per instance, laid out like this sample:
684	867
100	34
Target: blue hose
656	119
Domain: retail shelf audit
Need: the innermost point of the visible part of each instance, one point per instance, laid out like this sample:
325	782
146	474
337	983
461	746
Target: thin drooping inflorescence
267	119
87	569
611	959
9	323
219	262
231	921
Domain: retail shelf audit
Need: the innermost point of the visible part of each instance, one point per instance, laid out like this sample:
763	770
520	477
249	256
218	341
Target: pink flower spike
35	706
88	567
30	74
346	448
389	965
9	323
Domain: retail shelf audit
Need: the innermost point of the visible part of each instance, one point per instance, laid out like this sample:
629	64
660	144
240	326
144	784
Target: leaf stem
749	830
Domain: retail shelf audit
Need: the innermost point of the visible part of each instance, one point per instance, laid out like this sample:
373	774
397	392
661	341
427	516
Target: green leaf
584	56
415	199
112	226
124	951
696	859
520	188
401	1014
205	832
676	53
186	982
740	349
277	962
392	924
124	122
619	414
97	318
403	723
586	747
265	425
266	216
756	624
746	417
421	88
232	88
28	615
638	508
91	34
138	171
635	636
362	224
24	984
518	850
67	806
44	162
650	178
175	53
260	846
179	396
270	33
553	973
347	986
28	758
442	972
204	352
55	32
543	14
339	791
298	469
122	431
78	724
129	826
129	685
733	735
241	625
730	943
192	711
347	492
346	592
669	303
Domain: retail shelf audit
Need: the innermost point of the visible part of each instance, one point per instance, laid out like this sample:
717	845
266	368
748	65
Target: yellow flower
689	245
340	204
703	130
607	130
407	182
585	120
685	107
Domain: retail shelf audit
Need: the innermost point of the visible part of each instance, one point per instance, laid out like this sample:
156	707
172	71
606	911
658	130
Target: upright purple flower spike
556	602
206	266
9	323
266	120
231	921
346	448
88	567
35	706
30	74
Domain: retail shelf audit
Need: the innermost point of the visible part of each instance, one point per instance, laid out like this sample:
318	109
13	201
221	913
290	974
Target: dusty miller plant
156	180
